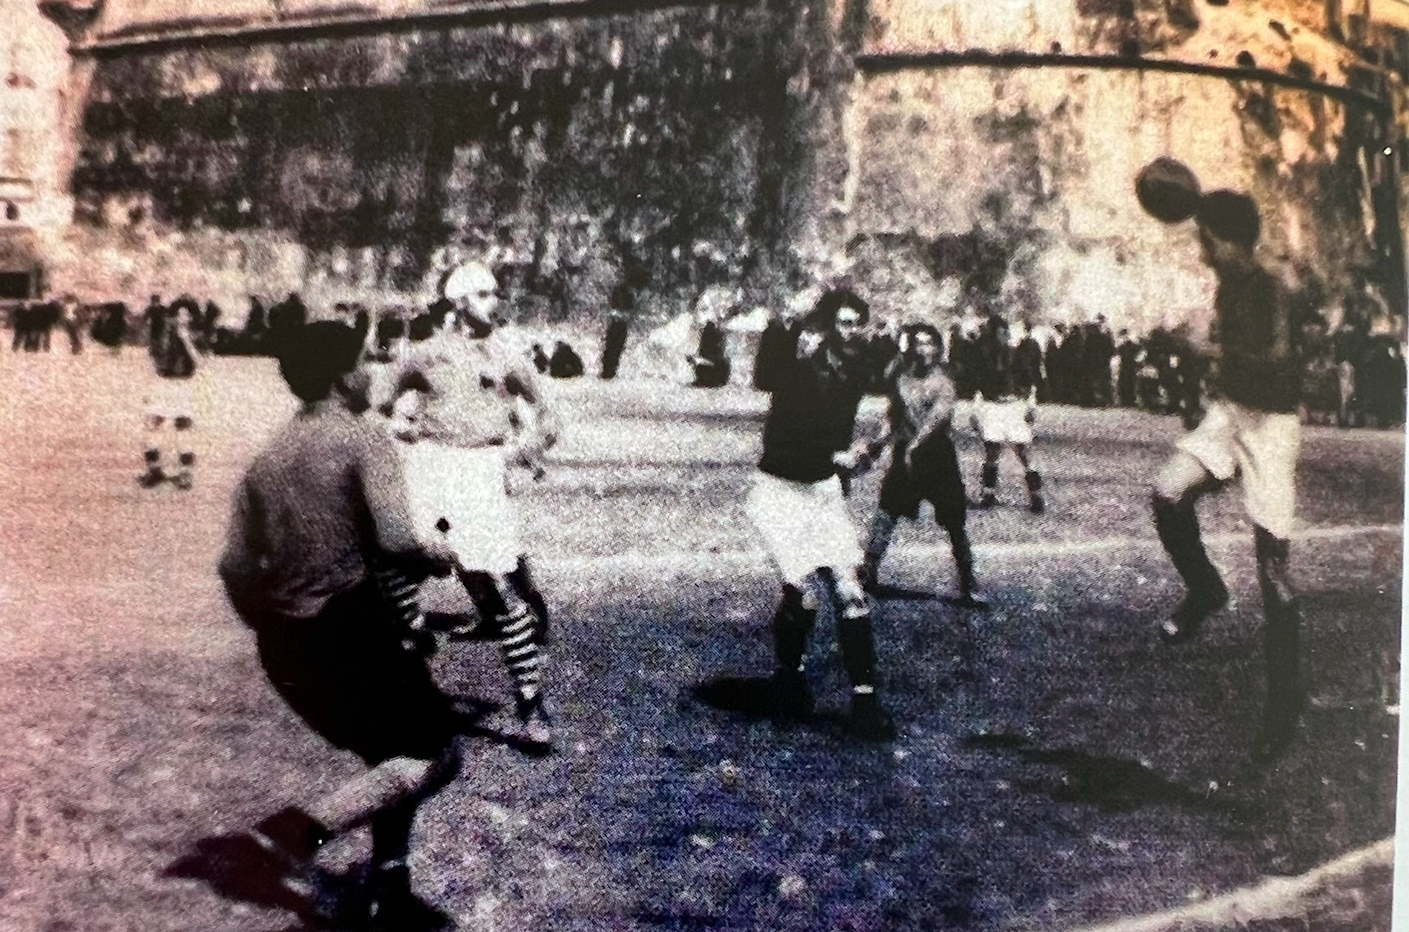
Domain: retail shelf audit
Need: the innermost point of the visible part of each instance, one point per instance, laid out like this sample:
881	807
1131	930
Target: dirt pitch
1057	766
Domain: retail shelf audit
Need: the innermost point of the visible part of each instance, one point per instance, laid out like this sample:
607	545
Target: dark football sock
792	625
858	648
1177	525
391	837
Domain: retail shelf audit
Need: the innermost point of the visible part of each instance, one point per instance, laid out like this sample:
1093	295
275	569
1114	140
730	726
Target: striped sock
520	649
401	596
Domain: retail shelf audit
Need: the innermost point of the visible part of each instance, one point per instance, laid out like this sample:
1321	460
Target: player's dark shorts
935	478
345	673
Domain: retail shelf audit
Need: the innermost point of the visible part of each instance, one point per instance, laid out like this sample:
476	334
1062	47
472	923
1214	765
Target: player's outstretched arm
539	426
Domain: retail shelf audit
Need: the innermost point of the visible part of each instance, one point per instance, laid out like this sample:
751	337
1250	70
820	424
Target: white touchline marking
730	561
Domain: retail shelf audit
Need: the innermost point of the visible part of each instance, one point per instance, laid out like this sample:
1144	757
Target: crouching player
468	406
924	465
324	497
817	379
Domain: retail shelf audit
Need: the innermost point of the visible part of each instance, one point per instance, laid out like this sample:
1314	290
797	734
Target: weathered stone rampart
581	144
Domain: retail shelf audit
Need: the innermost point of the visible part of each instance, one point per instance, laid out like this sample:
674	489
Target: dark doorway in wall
14	285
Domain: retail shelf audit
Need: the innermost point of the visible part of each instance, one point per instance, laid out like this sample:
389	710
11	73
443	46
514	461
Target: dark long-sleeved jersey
1258	364
813	414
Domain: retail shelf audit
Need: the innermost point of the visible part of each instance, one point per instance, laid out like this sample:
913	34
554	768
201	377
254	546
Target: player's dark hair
910	331
479	327
422	327
1230	216
824	314
438	311
314	356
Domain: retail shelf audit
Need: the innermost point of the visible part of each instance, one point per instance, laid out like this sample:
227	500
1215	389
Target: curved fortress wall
934	141
1009	134
578	150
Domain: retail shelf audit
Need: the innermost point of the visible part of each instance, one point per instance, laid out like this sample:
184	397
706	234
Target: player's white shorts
466	488
165	400
1003	421
804	525
1259	447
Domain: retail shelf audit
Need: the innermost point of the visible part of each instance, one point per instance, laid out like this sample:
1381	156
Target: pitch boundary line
705	561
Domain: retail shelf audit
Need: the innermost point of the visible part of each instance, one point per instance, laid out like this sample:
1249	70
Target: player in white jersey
467	408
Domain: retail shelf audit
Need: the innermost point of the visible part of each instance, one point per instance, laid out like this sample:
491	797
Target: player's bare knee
850	595
407	775
811	592
1180	481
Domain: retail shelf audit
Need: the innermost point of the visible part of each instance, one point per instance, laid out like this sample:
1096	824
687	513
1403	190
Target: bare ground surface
1057	767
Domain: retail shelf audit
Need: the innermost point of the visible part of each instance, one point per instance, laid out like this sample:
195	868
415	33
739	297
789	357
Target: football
1168	190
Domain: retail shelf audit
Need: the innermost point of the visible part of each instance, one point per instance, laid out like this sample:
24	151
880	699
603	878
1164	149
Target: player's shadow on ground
236	868
1111	784
755	697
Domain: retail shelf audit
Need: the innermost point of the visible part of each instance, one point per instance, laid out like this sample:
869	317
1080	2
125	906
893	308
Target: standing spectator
1380	379
1128	364
1070	355
1027	362
43	318
21	320
1348	345
710	360
210	322
71	316
1098	347
256	327
153	316
618	326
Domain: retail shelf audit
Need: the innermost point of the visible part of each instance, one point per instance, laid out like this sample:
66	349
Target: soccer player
924	465
1004	412
324	497
469	406
817	378
1251	432
169	402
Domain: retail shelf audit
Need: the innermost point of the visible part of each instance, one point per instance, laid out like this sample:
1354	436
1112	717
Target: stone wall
1014	129
935	143
663	147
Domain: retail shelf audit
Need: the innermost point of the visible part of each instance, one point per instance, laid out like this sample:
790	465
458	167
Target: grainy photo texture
648	465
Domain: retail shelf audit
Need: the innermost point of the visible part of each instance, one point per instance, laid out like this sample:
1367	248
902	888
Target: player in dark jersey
924	465
1252	432
817	377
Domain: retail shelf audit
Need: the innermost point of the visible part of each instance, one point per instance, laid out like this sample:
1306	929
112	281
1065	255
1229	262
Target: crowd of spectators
1354	374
